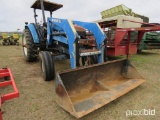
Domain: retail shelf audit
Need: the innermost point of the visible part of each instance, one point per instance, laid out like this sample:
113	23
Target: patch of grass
37	97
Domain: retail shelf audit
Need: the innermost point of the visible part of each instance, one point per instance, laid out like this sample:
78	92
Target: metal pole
128	45
43	14
35	16
50	13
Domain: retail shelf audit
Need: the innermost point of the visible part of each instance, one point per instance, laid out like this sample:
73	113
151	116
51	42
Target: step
87	42
89	52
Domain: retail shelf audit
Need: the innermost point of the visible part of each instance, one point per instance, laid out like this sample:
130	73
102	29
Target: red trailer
6	79
124	41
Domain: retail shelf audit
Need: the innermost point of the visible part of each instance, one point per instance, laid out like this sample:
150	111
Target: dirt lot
37	98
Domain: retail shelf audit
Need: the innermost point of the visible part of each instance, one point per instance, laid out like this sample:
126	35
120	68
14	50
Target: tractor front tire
29	49
47	66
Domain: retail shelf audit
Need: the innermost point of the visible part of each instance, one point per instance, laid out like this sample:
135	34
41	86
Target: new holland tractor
90	83
61	38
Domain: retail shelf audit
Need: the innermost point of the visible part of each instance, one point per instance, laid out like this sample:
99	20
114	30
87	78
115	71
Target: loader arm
64	31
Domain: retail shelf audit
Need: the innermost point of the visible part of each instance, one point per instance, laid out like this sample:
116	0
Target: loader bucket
83	90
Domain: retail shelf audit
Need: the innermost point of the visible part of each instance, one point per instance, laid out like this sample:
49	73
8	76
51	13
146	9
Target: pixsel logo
140	112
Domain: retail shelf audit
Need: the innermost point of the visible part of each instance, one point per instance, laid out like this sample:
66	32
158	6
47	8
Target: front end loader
92	82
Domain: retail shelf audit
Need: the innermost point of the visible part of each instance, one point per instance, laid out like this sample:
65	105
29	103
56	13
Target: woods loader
91	82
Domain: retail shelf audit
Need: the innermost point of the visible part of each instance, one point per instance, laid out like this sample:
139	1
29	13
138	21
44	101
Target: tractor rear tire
29	49
47	66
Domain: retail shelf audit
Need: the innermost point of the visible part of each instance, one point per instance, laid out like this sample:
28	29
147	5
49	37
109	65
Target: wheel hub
24	46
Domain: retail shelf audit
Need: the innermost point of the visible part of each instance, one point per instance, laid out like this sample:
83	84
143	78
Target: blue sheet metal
63	26
98	34
33	32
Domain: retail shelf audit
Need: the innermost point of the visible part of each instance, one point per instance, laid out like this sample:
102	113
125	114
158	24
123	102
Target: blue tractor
56	39
84	89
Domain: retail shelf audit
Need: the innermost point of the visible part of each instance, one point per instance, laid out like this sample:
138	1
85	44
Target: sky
14	13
